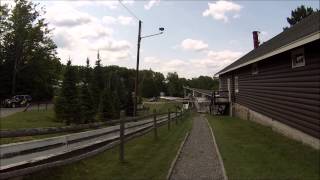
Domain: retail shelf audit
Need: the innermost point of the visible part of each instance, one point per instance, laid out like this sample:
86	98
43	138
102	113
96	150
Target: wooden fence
26	157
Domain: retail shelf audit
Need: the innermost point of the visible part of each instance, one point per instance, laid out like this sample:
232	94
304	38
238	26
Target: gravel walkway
199	158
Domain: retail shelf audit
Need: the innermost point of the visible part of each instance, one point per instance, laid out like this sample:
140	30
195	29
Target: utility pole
136	89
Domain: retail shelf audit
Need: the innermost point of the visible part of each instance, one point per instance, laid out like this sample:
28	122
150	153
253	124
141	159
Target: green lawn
145	159
253	151
29	119
162	107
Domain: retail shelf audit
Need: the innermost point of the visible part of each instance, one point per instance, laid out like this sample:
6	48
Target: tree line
29	65
99	93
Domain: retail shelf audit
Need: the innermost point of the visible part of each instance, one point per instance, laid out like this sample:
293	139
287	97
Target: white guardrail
23	153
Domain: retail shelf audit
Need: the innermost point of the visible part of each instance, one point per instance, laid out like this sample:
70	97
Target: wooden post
169	119
38	107
155	124
176	116
46	106
121	149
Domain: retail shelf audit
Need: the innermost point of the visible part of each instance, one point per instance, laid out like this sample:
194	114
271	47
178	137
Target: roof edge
302	41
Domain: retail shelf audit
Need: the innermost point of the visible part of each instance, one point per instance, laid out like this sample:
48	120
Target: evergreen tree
129	104
298	14
86	102
116	105
106	107
67	104
98	80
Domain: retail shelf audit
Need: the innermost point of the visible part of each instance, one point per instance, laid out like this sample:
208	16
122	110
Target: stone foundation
245	113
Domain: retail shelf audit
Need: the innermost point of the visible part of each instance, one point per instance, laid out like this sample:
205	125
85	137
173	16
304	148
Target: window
297	58
220	84
254	68
236	84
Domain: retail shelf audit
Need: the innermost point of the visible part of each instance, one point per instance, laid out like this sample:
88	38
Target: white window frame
298	55
236	84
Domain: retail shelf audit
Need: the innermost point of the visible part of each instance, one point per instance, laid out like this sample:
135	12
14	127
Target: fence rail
18	157
63	129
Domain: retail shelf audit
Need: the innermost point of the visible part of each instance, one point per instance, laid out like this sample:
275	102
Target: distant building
278	83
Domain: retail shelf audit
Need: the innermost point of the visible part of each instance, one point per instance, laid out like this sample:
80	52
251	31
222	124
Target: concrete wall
245	113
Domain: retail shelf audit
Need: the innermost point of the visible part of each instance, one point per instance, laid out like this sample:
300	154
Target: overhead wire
132	14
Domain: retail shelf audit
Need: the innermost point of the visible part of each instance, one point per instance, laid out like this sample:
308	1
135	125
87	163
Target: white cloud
110	4
264	36
151	60
219	9
236	16
151	3
111	45
195	45
208	65
109	20
81	35
123	20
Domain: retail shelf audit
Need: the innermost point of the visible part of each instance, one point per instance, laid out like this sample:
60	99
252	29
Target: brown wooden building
278	83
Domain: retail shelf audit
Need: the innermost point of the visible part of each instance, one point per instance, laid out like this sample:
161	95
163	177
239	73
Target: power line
129	11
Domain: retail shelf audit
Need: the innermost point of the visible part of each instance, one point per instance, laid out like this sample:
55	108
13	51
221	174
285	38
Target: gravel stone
198	158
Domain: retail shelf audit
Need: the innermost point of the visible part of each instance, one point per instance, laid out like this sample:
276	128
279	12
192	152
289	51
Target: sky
200	38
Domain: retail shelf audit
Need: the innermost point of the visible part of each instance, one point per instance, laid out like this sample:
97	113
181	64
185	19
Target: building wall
285	94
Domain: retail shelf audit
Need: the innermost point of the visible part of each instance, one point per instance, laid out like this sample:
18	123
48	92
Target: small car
18	101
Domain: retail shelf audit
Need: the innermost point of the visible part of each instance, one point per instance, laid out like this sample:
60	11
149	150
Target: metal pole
121	148
137	72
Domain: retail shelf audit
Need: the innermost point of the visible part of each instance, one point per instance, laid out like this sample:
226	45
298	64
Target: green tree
29	53
5	72
67	104
86	102
298	14
129	104
116	105
106	106
159	81
147	85
98	82
175	86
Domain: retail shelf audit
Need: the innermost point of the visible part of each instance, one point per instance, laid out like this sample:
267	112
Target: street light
161	29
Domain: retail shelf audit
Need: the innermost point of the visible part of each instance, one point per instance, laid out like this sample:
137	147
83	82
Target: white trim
307	39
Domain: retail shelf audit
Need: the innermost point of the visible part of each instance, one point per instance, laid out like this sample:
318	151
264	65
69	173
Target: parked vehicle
18	101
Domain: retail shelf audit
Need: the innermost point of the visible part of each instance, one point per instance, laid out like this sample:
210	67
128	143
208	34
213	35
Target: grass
162	107
145	159
253	151
29	119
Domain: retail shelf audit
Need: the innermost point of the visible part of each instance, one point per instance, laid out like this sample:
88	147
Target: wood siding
286	94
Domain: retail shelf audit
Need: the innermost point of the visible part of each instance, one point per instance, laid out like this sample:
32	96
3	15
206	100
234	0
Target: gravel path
199	158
